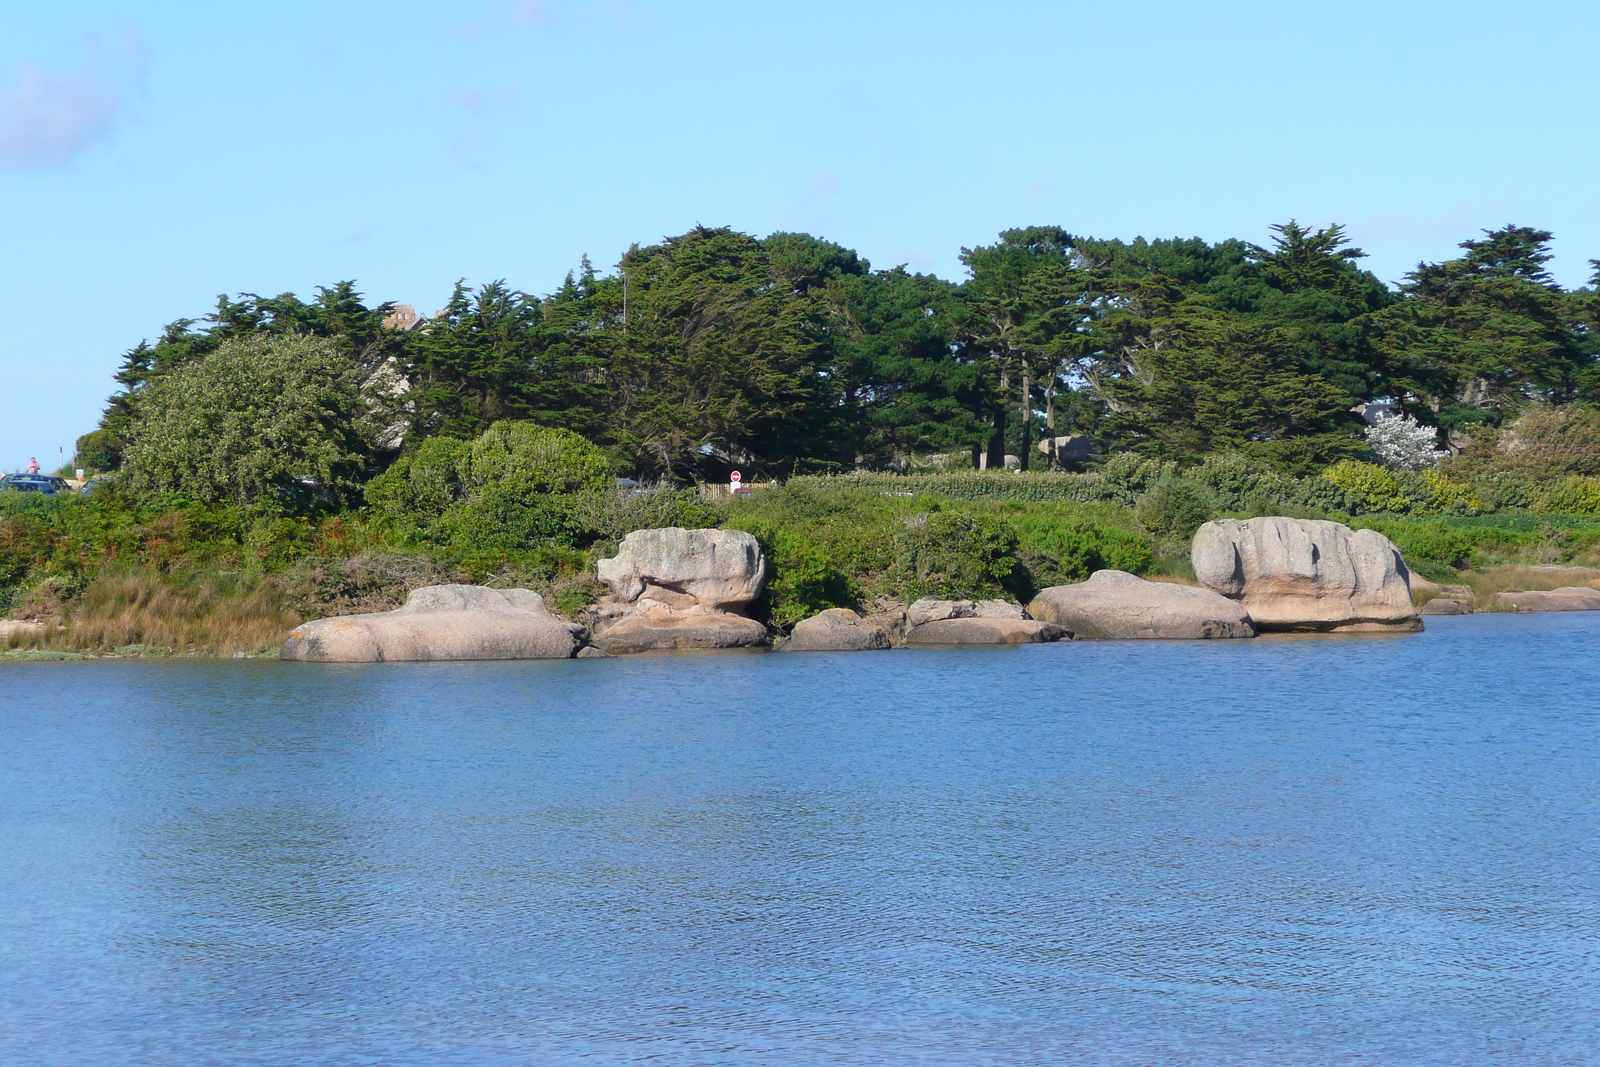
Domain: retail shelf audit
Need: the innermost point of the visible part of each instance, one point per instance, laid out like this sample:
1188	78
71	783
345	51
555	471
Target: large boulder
1567	598
1116	605
976	630
719	570
836	630
930	610
681	589
654	629
1307	575
1443	605
441	622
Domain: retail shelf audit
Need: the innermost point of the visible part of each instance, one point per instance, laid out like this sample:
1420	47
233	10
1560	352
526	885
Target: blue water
1288	851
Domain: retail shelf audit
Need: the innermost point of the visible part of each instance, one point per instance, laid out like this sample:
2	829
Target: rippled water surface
1293	851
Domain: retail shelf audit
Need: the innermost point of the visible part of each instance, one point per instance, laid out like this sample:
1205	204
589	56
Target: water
1292	851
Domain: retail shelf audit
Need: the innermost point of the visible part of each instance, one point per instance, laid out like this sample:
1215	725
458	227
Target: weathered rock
929	610
1444	605
889	616
441	622
971	630
681	589
1307	575
590	652
655	629
1567	598
1116	605
717	570
836	630
1072	452
1000	609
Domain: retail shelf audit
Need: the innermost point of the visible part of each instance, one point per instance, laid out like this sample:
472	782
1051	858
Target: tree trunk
1050	421
1024	456
995	459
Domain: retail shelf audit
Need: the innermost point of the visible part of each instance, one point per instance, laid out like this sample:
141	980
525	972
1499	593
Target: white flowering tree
1402	444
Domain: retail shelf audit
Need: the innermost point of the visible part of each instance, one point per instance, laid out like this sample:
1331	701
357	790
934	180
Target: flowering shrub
1402	444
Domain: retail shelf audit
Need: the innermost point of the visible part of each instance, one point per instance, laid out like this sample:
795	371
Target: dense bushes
257	420
515	487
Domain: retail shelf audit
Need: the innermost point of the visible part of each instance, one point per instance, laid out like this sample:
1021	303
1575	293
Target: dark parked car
48	484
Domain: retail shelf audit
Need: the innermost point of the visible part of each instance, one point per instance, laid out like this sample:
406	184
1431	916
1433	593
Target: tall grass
211	614
1517	579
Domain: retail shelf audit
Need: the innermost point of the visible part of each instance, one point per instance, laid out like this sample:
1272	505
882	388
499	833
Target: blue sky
154	155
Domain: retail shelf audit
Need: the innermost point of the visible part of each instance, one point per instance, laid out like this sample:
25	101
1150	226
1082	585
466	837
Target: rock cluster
441	622
983	622
1306	575
693	589
1116	605
838	630
679	589
1447	599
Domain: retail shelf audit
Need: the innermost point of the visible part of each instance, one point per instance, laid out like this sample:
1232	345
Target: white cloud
48	118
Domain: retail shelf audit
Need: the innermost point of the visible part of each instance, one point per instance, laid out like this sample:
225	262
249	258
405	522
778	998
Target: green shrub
253	422
1368	486
517	486
952	555
1241	483
1570	496
1176	508
1431	493
1057	550
1424	543
424	483
804	579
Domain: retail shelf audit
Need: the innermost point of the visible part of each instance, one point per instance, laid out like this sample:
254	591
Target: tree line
791	355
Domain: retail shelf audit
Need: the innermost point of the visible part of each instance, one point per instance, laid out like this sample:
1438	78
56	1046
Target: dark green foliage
804	579
1423	544
1208	382
952	555
1176	508
1057	549
474	364
517	486
259	420
1480	337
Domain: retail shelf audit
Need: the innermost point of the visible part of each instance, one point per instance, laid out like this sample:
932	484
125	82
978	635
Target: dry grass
1516	578
209	615
1524	577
